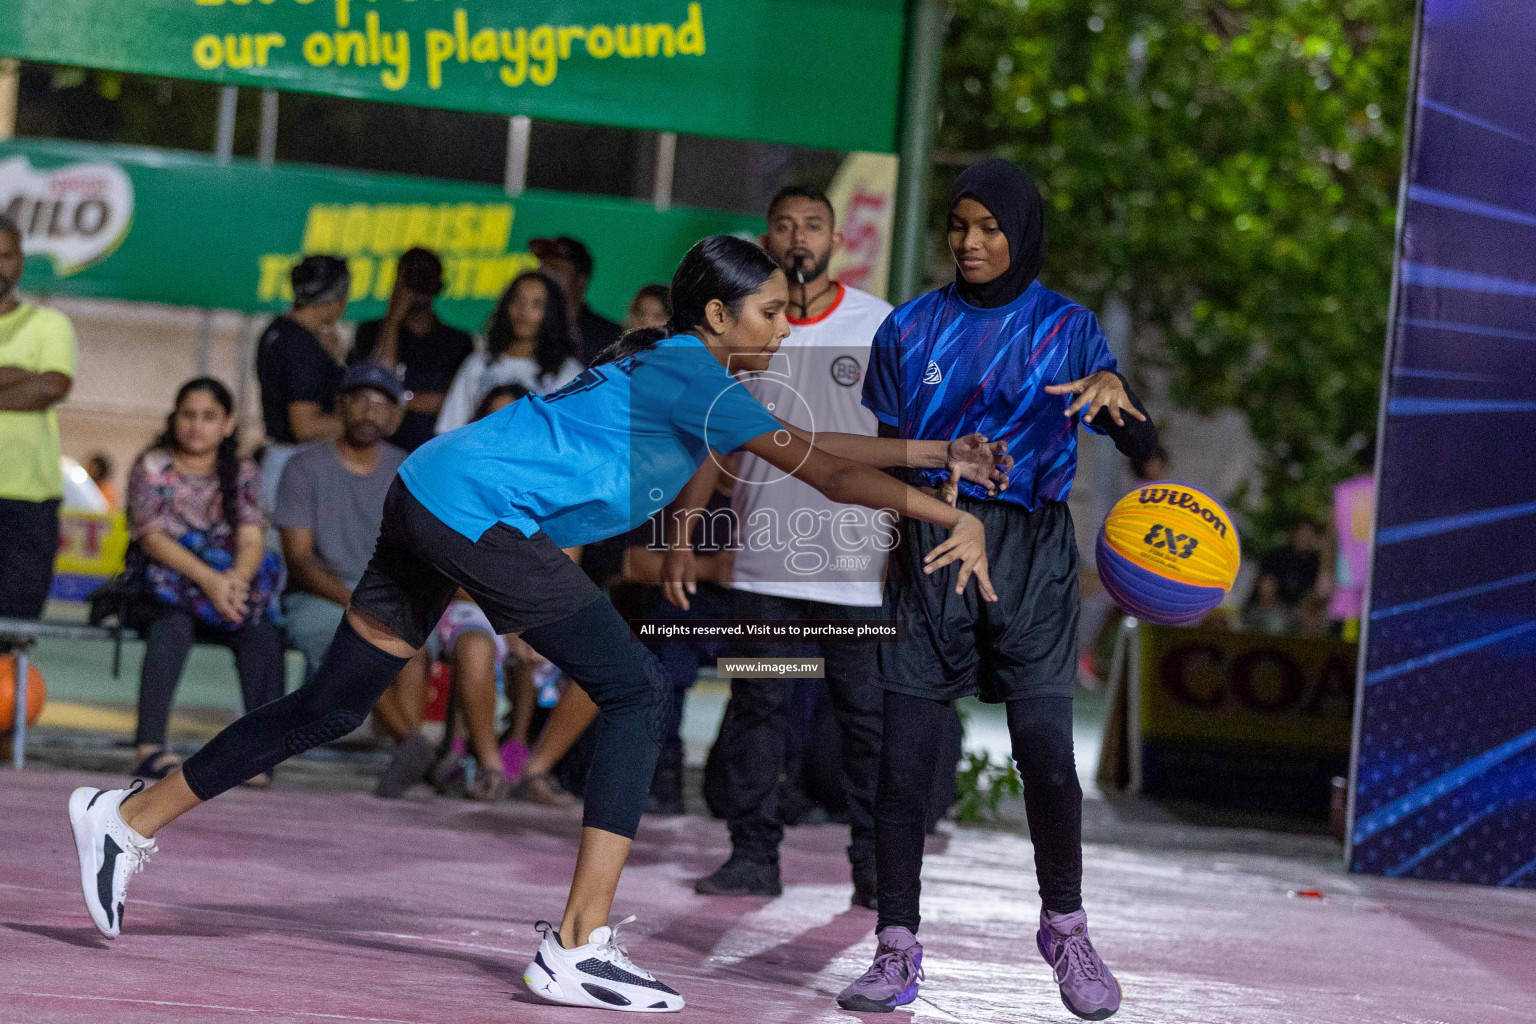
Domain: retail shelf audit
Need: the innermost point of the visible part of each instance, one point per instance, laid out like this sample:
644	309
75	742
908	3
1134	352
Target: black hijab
1009	195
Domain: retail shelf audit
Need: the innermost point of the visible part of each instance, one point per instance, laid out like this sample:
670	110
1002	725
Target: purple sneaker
1087	987
891	980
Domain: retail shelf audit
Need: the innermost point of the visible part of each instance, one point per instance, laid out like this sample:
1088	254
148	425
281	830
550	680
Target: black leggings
1041	731
258	653
594	646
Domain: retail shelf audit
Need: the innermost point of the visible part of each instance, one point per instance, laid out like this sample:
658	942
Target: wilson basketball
1168	553
37	694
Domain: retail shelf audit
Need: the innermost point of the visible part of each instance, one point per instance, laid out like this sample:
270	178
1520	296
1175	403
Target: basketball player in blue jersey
995	352
488	508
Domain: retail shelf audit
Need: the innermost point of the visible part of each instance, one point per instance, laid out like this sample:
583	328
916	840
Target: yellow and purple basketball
1168	553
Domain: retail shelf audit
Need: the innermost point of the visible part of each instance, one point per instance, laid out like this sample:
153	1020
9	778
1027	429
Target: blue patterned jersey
941	369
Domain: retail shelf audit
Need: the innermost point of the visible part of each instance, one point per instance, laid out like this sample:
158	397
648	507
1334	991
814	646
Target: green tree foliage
1231	170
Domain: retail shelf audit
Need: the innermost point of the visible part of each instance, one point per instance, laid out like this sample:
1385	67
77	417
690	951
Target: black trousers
29	540
753	731
258	650
523	584
1041	731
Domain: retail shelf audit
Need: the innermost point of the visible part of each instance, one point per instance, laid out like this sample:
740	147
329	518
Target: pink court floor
307	907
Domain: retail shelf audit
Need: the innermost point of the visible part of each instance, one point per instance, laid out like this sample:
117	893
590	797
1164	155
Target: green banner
822	73
148	225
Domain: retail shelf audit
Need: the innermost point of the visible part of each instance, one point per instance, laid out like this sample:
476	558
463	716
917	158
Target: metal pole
223	152
224	131
519	144
666	166
919	115
10	84
19	734
266	143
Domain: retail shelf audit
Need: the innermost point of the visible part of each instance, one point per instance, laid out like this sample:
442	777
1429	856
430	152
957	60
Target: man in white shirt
800	556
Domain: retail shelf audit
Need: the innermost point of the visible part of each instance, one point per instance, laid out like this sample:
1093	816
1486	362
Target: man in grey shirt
330	503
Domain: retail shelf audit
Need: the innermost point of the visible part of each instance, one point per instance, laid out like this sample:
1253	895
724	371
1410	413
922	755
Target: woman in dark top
413	342
298	374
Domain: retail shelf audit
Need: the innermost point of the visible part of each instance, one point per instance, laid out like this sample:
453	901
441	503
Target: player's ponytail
720	267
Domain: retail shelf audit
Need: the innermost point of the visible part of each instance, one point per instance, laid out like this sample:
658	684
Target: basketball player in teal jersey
488	508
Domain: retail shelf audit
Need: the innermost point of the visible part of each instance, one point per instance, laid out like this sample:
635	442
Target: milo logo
75	214
1184	500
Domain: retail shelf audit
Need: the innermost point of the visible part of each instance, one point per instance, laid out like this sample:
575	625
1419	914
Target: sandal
489	786
157	765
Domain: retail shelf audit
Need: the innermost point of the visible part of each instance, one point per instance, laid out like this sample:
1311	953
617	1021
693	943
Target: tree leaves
1231	169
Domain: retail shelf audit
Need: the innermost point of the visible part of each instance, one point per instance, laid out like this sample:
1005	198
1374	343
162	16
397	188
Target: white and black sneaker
599	974
110	852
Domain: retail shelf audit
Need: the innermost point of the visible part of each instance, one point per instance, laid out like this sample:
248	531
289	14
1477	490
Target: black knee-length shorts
420	563
1023	645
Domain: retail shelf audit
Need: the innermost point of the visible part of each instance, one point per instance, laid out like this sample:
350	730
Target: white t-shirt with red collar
794	541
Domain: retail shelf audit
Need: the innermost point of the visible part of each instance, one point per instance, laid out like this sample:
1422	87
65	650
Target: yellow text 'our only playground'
524	53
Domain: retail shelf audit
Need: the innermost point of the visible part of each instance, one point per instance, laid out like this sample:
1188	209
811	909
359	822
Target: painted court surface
306	907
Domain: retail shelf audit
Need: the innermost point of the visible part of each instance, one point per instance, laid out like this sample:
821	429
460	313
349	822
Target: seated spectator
465	641
99	468
413	343
575	711
197	532
37	369
330	504
569	264
528	342
297	367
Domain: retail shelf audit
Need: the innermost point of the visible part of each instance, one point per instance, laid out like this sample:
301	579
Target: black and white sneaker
110	852
599	974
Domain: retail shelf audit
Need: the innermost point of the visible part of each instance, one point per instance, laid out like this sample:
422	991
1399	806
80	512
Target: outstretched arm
857	484
972	457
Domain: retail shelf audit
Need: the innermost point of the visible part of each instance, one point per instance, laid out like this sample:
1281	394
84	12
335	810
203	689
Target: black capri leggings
1041	731
524	584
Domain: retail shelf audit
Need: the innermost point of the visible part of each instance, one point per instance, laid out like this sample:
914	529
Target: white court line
215	1006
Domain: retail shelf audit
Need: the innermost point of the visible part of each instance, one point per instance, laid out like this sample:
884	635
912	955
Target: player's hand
968	543
679	576
1101	390
978	460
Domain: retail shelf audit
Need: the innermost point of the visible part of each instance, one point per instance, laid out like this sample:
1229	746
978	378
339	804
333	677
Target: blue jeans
312	621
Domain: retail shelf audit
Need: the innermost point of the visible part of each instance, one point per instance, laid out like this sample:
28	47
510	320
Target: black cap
318	279
563	248
372	375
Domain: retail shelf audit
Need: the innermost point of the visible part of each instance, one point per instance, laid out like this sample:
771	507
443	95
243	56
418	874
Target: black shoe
741	877
412	760
864	885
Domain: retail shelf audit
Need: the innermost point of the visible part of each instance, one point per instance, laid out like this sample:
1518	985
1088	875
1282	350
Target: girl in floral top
194	515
